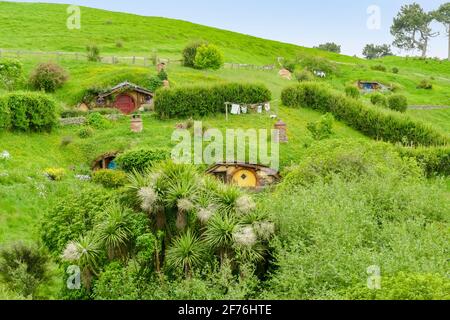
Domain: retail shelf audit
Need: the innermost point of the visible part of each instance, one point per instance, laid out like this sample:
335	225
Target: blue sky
302	22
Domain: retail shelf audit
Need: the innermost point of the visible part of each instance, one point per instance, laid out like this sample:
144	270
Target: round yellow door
245	179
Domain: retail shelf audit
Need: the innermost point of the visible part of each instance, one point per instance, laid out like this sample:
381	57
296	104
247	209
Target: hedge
28	111
141	159
434	160
201	101
377	123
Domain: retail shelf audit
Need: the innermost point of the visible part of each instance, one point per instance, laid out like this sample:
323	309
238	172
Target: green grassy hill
42	27
26	195
139	35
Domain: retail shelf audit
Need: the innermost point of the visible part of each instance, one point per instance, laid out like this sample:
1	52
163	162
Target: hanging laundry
235	109
244	109
267	107
260	109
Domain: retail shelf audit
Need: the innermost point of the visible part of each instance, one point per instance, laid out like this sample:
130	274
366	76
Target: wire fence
115	59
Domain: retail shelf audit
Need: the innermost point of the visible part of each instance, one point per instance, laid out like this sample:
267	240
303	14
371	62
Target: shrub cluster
27	111
435	160
379	124
110	178
304	75
97	121
398	102
11	74
141	159
48	77
379	67
379	99
425	84
208	57
352	92
201	101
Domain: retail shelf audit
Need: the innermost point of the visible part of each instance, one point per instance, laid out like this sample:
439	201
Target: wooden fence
114	59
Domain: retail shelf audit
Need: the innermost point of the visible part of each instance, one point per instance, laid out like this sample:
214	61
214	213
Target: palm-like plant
219	234
226	198
186	253
115	233
86	252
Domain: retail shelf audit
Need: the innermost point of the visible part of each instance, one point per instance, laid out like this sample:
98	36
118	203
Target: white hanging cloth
267	107
260	109
235	109
244	109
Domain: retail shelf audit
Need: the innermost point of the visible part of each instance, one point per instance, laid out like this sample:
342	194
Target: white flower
185	205
245	204
245	236
204	214
264	230
148	198
5	155
82	177
71	253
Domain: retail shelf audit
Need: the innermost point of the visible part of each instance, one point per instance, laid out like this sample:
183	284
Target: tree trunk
424	49
449	42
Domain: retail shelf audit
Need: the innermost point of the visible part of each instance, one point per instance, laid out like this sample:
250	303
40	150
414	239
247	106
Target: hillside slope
138	35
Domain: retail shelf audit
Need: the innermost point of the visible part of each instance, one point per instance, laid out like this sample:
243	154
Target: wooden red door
125	104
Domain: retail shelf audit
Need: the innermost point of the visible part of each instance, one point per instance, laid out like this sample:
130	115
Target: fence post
134	59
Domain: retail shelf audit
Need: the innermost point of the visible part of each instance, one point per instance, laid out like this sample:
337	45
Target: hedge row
434	160
201	101
27	111
141	159
376	123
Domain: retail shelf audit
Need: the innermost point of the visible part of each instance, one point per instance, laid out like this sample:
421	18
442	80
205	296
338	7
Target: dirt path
428	107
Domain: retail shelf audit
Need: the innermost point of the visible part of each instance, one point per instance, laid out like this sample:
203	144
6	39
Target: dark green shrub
322	129
190	52
304	75
163	75
30	111
93	53
352	92
154	83
188	102
379	67
141	159
11	74
398	103
395	70
48	77
5	114
97	121
85	132
74	215
379	124
208	57
23	268
110	178
378	99
434	160
425	84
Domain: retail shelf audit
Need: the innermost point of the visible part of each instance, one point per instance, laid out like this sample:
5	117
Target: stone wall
72	121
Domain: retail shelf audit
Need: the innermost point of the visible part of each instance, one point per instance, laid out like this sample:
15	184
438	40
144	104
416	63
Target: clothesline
243	108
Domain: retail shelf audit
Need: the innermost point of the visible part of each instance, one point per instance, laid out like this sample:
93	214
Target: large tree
411	28
443	16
